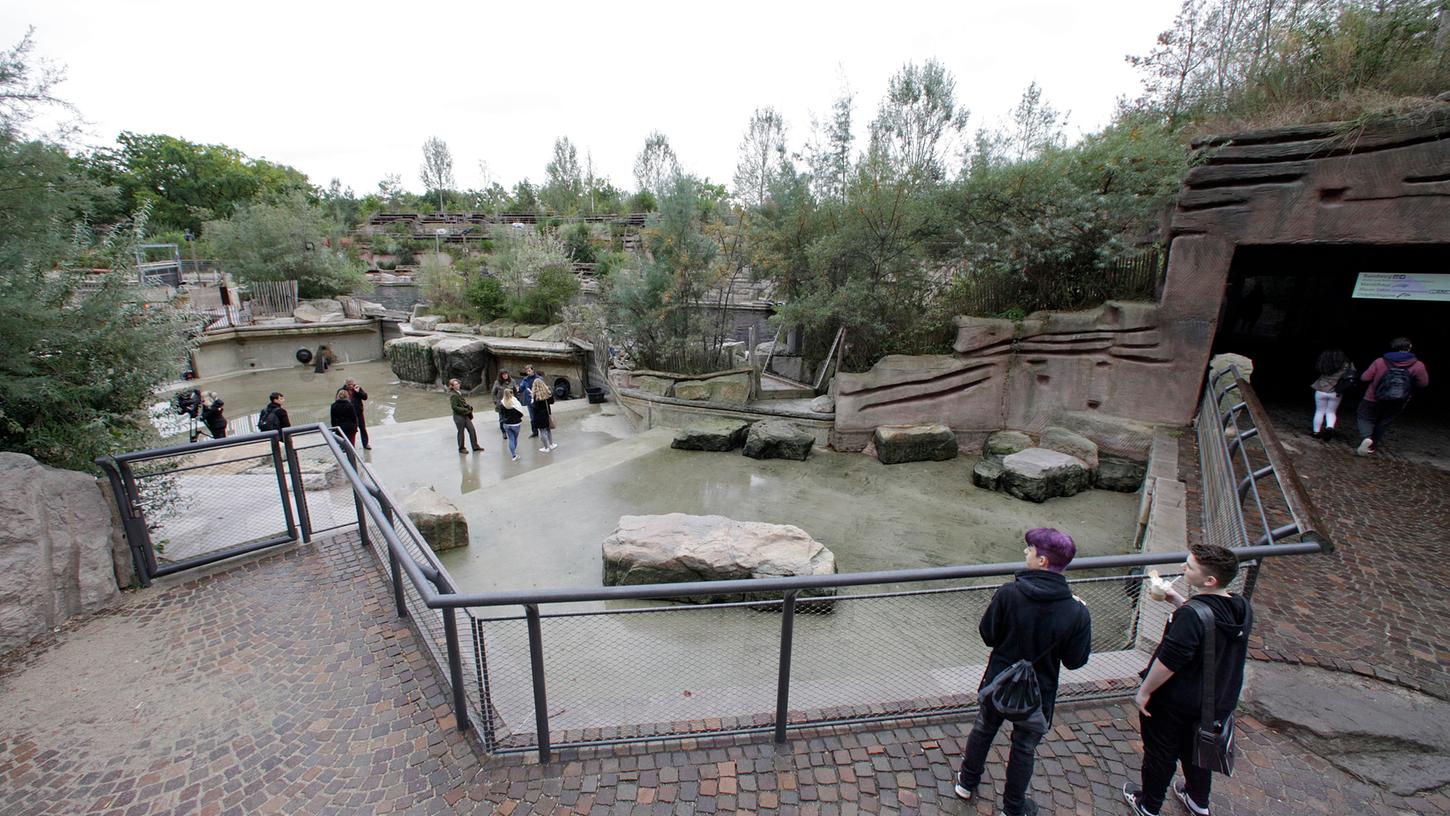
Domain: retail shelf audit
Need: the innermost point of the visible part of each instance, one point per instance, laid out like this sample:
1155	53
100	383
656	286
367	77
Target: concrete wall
257	348
553	367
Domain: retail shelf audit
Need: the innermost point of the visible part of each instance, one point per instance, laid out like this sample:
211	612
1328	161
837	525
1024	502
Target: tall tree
564	181
437	168
1036	125
829	154
656	166
286	240
917	122
761	152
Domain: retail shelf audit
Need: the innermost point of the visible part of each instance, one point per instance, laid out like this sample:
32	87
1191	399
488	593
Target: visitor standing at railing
212	416
343	416
1034	618
463	417
358	396
541	414
1388	383
1170	700
274	416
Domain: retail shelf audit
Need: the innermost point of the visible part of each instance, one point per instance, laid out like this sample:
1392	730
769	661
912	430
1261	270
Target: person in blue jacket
526	397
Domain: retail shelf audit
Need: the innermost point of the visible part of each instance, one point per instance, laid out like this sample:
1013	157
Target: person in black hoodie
1033	617
344	415
1170	698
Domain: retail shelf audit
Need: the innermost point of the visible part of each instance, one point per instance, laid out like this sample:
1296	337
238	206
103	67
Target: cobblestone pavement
287	686
1378	604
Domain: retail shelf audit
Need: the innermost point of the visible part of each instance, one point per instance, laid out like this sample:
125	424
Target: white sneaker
1182	794
514	458
1366	447
553	445
543	450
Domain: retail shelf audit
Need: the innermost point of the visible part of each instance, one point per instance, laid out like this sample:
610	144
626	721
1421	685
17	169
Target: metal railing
539	670
1251	494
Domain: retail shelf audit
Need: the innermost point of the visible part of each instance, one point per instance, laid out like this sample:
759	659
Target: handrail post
362	523
131	523
455	667
536	666
280	469
782	688
299	491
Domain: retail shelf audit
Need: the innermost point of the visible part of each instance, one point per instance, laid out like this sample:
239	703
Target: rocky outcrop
660	386
824	404
552	334
1006	443
323	310
712	434
1073	444
778	439
682	548
411	358
1122	475
914	443
440	521
692	390
987	474
426	322
55	548
461	358
1038	474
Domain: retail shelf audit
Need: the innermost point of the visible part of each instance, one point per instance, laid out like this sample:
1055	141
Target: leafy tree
917	122
83	362
564	181
656	166
525	199
444	286
437	168
761	151
286	240
579	243
186	184
487	297
532	267
390	190
1036	125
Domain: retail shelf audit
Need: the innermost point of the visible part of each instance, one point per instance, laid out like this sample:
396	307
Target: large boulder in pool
778	439
677	547
462	358
914	443
712	434
411	358
1039	474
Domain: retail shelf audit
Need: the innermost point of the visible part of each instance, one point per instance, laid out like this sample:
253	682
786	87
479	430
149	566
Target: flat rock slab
987	474
1039	474
713	434
914	443
778	439
440	521
677	547
1383	734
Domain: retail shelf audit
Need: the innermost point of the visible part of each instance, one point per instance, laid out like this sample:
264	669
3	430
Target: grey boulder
680	548
440	521
1038	474
713	434
915	443
1006	443
778	439
1122	475
1071	443
987	474
462	358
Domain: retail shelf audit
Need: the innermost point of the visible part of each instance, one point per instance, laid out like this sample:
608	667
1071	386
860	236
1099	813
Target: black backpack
1015	694
267	420
1394	385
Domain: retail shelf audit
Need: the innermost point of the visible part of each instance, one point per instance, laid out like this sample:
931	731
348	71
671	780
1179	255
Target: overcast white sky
351	90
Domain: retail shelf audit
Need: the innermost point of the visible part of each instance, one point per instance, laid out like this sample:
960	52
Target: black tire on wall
304	356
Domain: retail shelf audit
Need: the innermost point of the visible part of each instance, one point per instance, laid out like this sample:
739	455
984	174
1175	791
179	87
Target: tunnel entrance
1285	304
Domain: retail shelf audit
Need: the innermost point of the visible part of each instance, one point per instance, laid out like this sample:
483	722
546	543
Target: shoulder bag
1213	739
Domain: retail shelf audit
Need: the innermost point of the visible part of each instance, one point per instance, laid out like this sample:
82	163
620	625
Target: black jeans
1374	418
1167	742
1019	760
463	423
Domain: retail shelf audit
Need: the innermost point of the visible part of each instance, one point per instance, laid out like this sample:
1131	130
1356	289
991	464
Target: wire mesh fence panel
1223	521
209	501
330	503
660	670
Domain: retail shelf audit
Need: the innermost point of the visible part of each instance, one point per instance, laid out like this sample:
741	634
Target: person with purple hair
1033	617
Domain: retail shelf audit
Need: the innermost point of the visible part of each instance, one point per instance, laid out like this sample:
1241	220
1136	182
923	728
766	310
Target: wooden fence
272	298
